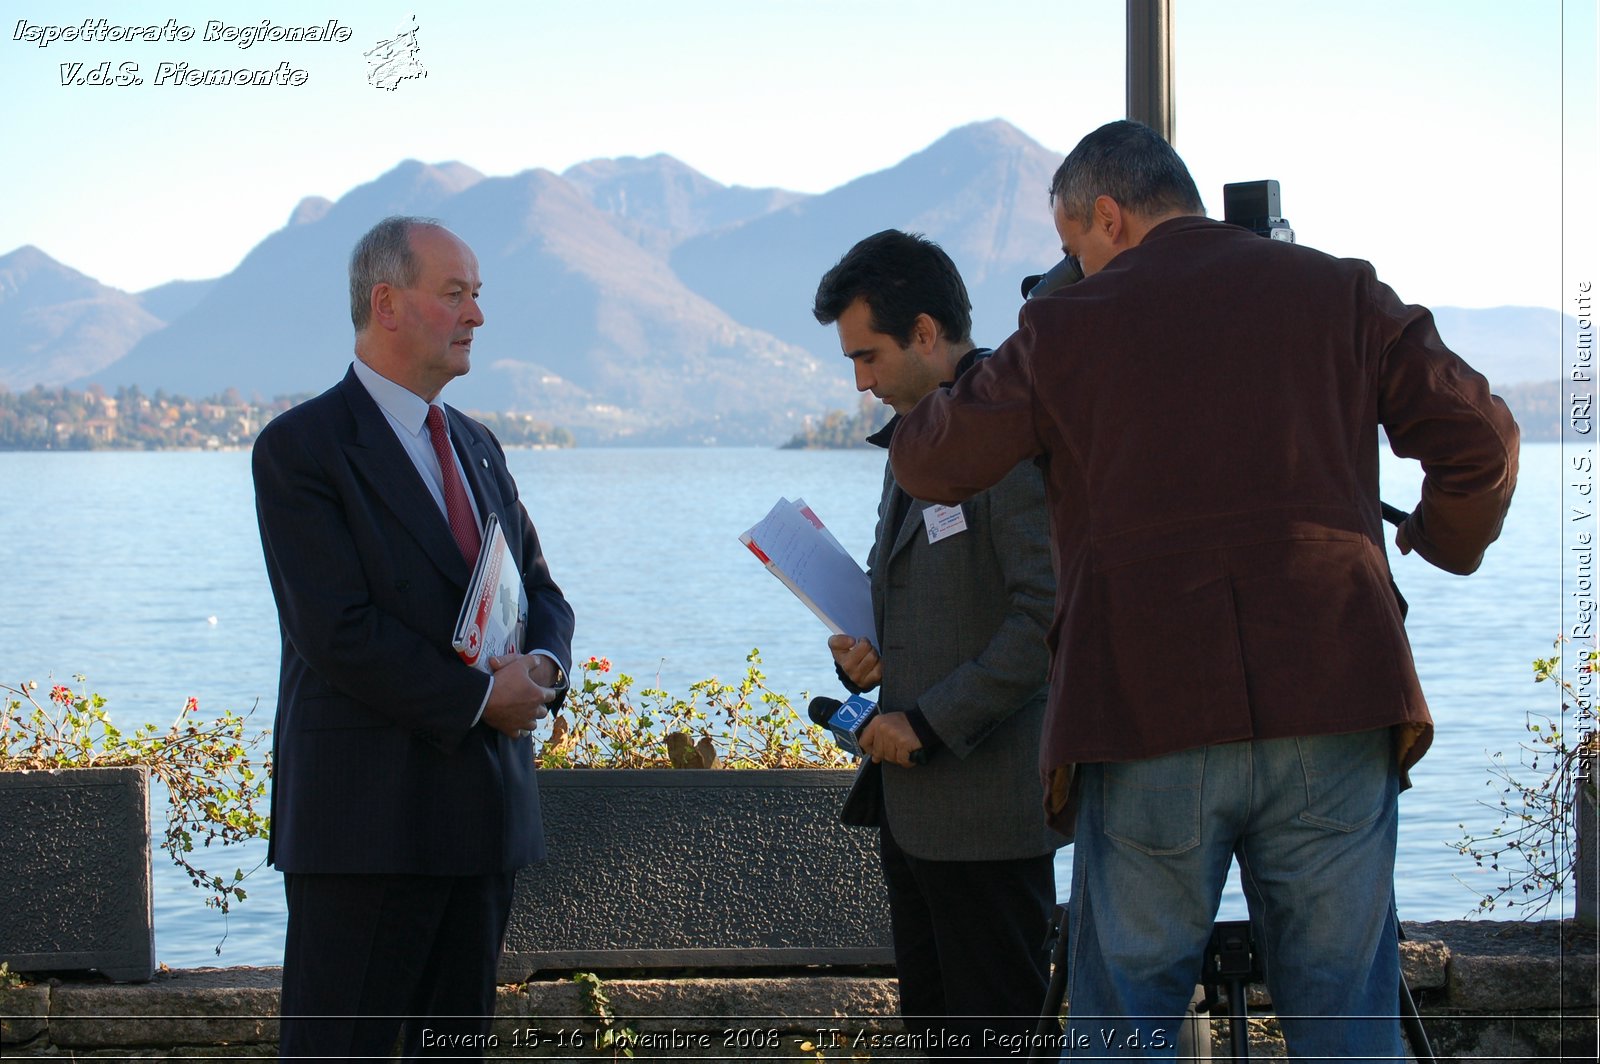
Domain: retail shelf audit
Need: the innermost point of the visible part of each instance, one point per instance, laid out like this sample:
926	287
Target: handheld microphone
847	720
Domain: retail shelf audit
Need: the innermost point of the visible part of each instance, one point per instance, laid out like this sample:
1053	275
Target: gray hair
383	256
1131	163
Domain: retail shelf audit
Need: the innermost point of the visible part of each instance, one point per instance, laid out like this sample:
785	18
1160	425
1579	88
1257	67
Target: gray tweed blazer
961	629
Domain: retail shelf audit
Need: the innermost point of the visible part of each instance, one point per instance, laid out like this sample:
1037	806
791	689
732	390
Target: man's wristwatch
562	683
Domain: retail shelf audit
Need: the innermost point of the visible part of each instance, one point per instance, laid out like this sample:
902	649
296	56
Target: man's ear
384	312
1108	218
924	333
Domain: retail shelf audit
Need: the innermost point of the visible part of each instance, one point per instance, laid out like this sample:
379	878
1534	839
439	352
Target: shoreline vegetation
58	419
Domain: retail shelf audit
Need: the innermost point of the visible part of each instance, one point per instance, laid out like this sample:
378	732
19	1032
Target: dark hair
900	275
383	255
1131	163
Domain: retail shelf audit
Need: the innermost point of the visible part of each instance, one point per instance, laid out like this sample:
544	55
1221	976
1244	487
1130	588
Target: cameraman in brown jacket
1231	675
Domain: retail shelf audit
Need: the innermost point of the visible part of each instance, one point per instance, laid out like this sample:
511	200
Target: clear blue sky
1425	135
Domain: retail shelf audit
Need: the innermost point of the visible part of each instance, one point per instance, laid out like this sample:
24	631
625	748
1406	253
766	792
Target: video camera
1253	205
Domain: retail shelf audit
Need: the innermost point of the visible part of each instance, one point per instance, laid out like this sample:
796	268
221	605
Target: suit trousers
969	947
368	959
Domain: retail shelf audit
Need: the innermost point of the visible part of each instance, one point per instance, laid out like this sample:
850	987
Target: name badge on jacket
943	522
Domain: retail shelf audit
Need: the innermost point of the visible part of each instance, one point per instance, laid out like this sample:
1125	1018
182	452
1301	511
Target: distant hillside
659	201
979	191
1509	345
56	325
279	323
1537	408
633	300
584	327
175	298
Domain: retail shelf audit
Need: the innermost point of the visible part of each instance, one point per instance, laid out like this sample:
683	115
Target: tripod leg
1410	1018
1231	961
1238	1027
1411	1021
1046	1034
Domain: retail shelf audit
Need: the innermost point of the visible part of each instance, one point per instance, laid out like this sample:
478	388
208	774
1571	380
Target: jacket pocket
1346	778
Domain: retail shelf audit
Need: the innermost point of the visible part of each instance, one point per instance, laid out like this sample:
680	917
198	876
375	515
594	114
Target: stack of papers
797	548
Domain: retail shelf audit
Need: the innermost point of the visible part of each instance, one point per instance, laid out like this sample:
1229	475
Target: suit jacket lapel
383	463
912	525
894	498
884	552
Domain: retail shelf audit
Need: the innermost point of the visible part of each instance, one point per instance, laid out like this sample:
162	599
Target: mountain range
630	300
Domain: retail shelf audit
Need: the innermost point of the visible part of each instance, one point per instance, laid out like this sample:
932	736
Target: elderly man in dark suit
403	799
961	598
1232	676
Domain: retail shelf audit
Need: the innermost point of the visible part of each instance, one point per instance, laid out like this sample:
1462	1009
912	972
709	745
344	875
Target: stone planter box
708	868
75	881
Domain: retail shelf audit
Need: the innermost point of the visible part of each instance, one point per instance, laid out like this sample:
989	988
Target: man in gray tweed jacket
961	600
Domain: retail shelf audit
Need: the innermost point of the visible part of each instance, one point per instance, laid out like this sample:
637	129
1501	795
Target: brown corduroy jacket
1206	409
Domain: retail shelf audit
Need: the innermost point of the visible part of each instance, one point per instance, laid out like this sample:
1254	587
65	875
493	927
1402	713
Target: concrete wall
1491	989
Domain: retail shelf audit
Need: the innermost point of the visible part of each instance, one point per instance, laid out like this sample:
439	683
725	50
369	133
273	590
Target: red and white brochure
797	548
494	614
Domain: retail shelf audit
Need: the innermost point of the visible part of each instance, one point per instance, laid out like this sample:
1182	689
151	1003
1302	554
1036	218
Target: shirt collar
405	407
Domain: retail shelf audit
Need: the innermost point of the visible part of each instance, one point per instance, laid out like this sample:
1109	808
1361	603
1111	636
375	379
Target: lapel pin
484	462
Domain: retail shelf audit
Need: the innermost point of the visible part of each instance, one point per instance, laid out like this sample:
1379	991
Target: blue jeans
1312	821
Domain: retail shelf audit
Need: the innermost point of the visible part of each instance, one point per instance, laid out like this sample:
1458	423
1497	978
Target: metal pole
1150	96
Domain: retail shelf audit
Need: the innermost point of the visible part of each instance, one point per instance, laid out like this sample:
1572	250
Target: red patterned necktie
463	523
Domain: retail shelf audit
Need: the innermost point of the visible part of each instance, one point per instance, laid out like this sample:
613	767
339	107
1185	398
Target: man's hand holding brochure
489	633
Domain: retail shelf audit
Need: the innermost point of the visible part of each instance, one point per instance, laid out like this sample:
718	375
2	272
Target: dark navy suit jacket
378	766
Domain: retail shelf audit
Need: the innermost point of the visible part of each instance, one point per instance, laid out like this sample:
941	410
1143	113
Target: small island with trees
840	430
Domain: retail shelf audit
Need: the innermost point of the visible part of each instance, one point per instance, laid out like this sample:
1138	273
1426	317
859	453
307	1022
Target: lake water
144	572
